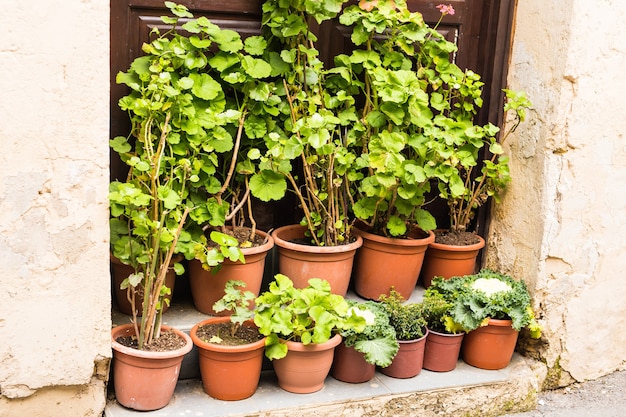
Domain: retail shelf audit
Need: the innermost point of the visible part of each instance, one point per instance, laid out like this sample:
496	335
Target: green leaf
380	351
255	45
227	40
205	87
255	67
268	185
396	226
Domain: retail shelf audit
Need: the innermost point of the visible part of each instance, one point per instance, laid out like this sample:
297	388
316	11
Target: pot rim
223	348
397	241
296	229
129	329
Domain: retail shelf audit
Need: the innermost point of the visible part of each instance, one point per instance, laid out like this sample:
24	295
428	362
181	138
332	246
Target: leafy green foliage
473	306
377	341
308	315
237	302
406	318
437	311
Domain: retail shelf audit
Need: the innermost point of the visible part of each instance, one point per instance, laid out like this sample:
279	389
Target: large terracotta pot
208	287
409	360
350	365
305	367
301	262
382	263
120	272
491	346
441	352
449	261
145	380
229	372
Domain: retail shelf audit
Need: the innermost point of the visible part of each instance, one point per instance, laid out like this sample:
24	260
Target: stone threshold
466	391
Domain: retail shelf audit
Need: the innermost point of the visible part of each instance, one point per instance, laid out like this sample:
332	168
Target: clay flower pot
409	360
229	372
301	262
449	261
383	262
208	287
145	380
305	367
350	366
491	346
441	352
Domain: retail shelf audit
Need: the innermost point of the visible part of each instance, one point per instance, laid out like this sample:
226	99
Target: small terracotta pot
441	352
449	261
305	367
350	366
145	380
303	262
208	287
120	272
408	362
382	263
491	346
229	372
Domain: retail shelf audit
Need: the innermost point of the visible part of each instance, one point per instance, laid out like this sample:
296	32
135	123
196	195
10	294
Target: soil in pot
222	331
167	341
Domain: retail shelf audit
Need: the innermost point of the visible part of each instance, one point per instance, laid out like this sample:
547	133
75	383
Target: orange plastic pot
409	359
305	367
302	262
229	372
441	352
350	366
449	261
491	346
382	263
208	287
145	380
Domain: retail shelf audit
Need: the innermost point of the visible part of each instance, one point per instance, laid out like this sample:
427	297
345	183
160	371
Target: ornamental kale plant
307	315
378	340
488	295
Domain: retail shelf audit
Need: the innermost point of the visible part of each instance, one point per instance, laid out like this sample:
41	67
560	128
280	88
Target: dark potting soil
244	335
456	238
166	342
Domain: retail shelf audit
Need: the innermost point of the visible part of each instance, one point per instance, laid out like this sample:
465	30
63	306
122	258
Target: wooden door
480	28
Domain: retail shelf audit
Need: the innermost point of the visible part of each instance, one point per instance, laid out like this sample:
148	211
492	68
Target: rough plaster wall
55	308
561	225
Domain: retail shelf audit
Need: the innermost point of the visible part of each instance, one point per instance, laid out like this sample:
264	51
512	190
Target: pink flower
446	9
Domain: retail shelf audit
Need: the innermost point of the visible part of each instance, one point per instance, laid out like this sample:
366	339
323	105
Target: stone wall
54	171
561	226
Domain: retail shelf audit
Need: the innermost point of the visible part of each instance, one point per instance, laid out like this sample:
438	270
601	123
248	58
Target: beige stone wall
54	112
561	226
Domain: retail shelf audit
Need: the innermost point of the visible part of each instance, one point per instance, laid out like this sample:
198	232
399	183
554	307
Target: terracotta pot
120	271
229	372
208	287
303	262
409	359
384	262
145	380
350	365
449	261
305	367
491	346
441	352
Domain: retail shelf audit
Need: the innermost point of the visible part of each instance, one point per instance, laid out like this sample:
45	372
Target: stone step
466	391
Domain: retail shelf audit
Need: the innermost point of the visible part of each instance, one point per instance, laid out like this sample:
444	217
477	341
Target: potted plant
310	147
404	65
443	343
408	321
302	328
229	346
357	356
492	307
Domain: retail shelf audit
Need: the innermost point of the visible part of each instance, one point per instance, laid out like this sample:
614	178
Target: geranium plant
307	315
377	341
488	295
